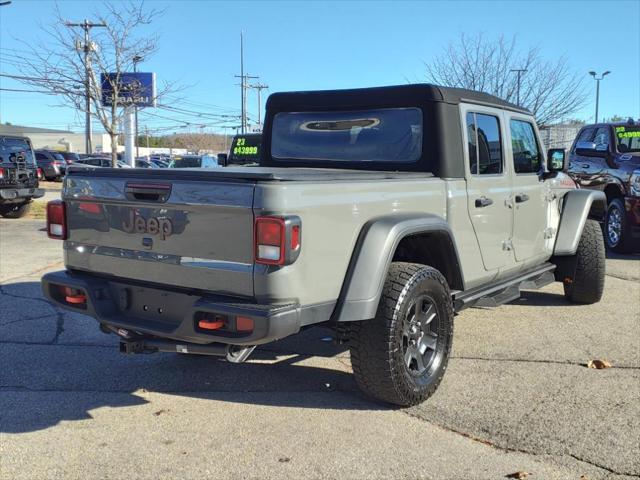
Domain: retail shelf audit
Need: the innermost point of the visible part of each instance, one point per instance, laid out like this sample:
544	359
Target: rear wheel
15	210
401	355
584	282
616	229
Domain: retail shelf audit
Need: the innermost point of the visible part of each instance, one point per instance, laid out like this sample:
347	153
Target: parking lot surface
517	396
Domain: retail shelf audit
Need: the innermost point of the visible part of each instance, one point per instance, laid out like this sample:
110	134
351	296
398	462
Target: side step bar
505	290
233	353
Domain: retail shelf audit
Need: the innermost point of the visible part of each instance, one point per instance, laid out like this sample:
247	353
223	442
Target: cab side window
485	144
602	139
527	157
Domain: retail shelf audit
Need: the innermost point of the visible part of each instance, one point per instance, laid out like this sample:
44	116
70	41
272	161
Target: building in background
61	140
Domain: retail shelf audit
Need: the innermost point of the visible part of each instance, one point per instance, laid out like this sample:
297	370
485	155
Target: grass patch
37	211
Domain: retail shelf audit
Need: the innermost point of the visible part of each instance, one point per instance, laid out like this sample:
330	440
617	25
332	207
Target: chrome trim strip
191	262
216	264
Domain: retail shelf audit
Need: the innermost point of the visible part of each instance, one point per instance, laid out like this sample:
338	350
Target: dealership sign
137	89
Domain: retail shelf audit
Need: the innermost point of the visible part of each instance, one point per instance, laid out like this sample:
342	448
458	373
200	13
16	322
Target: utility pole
519	72
146	129
595	77
259	87
136	59
87	47
243	86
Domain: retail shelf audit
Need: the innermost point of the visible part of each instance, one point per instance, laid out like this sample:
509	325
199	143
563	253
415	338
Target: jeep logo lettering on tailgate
152	226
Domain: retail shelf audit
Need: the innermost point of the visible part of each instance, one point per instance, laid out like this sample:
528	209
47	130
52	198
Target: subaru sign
137	89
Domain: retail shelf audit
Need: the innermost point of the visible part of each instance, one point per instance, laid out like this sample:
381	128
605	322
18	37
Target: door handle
483	202
522	197
586	165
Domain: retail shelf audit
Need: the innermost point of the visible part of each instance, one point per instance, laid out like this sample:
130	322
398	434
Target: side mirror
556	160
589	149
223	159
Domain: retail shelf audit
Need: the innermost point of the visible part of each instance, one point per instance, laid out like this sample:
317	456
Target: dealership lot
517	396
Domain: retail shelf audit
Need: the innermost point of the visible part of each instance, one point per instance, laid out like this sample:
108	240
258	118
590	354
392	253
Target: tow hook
237	354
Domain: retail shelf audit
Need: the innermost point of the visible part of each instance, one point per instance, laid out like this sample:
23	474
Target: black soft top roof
379	97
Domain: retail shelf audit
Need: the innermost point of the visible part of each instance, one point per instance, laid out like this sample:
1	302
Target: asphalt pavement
517	396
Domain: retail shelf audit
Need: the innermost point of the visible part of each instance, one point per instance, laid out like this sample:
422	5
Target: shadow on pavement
69	368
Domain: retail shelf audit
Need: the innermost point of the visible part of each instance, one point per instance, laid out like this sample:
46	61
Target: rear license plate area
149	304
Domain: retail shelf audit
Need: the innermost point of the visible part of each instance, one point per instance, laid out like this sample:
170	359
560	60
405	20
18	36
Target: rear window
383	135
13	149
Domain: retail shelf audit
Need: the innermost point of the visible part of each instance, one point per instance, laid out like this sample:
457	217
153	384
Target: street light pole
595	77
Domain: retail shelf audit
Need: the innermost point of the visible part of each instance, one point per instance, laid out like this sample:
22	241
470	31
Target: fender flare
372	256
576	208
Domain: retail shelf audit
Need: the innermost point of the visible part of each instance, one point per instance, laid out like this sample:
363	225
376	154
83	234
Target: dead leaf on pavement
598	364
160	412
520	475
584	477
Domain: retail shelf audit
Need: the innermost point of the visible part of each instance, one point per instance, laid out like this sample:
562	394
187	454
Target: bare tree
549	89
57	65
198	142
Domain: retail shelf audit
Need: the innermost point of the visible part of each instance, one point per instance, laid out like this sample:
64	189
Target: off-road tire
377	345
620	241
15	210
585	283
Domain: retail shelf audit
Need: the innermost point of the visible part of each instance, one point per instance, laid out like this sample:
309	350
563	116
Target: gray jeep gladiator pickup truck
381	212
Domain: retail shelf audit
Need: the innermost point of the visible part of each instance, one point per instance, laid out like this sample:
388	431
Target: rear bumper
169	314
17	194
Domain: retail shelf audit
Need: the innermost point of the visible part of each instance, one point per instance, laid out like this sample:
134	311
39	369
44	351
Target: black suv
18	176
606	157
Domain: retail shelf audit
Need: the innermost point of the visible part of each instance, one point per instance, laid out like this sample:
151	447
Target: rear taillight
277	240
56	220
1	173
270	244
39	170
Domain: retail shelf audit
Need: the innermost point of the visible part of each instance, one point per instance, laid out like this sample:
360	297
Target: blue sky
323	45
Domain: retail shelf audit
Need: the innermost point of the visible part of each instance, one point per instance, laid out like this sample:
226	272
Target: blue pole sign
137	89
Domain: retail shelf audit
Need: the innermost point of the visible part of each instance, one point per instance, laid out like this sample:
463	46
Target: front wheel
15	210
400	356
616	230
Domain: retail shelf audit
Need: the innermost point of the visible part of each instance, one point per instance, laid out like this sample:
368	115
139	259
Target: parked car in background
606	157
194	161
103	162
52	163
70	157
159	163
18	176
140	163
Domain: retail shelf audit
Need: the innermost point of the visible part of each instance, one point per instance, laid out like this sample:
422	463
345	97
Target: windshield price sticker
622	132
242	148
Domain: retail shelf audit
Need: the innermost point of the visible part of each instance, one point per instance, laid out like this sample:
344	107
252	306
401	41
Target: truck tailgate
195	234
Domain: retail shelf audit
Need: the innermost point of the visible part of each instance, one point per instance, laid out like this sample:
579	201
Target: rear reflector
1	173
56	220
244	324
